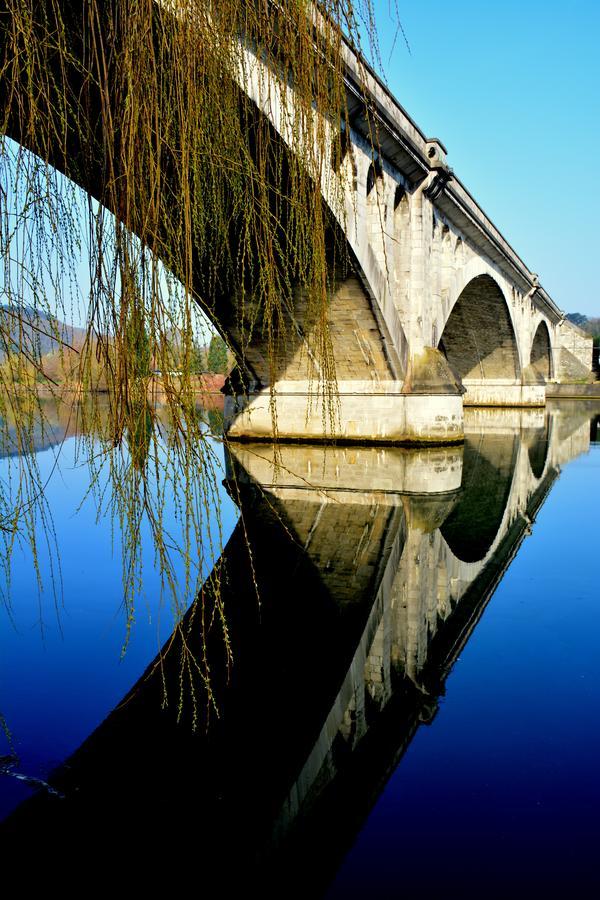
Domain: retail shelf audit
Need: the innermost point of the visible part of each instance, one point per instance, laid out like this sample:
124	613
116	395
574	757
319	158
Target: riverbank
207	386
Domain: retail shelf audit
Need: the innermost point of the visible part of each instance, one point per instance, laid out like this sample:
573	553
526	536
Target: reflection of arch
488	466
541	352
479	339
537	449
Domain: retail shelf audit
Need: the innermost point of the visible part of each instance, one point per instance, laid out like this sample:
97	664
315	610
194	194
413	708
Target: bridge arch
479	338
376	211
541	352
446	242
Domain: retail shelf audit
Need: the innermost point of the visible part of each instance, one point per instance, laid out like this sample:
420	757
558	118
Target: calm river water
412	705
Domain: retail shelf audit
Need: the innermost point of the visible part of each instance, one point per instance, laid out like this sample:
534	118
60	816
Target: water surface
412	700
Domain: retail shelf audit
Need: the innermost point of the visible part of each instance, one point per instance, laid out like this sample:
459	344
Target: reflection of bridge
436	554
437	301
373	565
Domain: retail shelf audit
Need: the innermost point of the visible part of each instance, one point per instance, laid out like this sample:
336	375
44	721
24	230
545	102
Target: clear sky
513	91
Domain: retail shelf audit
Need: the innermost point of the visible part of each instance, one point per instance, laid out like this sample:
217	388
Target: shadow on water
352	581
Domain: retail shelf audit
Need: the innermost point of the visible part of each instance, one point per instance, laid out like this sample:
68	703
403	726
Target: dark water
413	703
65	656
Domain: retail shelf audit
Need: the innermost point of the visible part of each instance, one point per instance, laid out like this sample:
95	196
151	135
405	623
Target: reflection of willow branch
27	511
42	488
238	501
133	499
130	481
189	664
7	764
7	733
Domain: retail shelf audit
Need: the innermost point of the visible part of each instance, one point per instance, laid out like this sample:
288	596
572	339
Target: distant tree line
215	358
40	349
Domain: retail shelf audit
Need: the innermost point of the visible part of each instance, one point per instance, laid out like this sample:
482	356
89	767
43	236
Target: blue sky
513	91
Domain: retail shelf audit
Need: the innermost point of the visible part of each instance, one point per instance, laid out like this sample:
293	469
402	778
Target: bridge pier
485	392
379	395
427	407
358	411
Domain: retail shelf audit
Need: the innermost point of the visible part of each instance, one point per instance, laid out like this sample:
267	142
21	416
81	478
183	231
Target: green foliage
215	422
593	328
217	355
589	324
198	362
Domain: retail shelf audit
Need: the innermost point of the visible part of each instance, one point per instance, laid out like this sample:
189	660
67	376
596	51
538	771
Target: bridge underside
308	382
476	363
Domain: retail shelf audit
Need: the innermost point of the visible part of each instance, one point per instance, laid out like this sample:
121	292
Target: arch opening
375	172
541	352
399	195
342	157
479	340
459	252
401	246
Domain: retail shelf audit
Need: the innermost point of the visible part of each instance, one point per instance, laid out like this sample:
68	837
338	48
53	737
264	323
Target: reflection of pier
373	566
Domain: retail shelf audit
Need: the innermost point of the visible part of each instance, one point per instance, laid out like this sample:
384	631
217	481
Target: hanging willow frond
192	198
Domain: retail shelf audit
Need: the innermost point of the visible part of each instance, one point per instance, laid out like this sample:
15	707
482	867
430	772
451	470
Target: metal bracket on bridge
442	177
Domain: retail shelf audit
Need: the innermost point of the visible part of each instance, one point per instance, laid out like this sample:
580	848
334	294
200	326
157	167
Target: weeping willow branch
196	138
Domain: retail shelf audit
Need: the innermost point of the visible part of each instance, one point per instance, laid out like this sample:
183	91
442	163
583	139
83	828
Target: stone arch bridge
437	312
